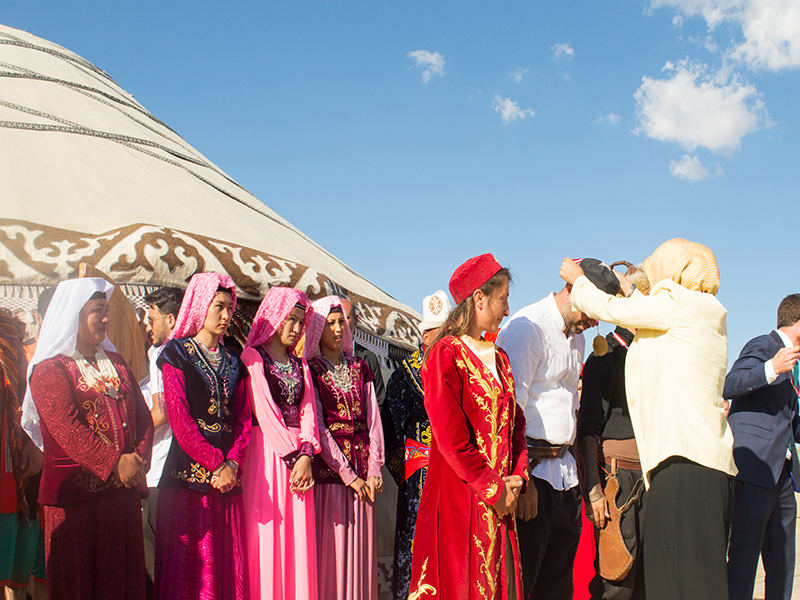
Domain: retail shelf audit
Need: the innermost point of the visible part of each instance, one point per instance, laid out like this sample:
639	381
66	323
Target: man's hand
528	504
597	510
129	470
31	460
784	359
570	271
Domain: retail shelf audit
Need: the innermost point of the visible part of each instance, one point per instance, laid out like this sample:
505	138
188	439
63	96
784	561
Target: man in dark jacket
763	388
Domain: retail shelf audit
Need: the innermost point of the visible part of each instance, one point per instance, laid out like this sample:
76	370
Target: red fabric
85	432
95	550
417	457
471	275
583	568
460	544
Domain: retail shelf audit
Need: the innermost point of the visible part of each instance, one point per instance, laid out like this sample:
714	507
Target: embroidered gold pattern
93	409
213	428
198	474
422	588
498	418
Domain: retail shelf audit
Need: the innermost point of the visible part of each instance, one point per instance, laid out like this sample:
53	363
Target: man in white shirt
546	349
163	306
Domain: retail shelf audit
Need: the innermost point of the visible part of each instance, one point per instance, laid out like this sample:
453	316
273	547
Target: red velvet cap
472	275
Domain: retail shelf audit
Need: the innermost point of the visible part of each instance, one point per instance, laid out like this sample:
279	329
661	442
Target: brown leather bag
614	559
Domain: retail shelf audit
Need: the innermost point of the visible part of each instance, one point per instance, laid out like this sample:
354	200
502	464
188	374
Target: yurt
88	175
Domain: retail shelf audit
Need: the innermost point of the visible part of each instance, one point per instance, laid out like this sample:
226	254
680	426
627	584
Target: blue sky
405	137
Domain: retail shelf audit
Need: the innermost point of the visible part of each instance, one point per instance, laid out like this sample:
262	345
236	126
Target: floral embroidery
198	474
491	491
213	428
422	588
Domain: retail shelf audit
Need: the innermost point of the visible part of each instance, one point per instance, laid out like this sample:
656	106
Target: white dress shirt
162	436
546	365
769	371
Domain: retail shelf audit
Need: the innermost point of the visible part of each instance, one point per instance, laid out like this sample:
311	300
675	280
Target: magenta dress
200	539
351	440
281	536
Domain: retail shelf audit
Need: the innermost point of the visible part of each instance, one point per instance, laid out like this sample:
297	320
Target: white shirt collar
786	341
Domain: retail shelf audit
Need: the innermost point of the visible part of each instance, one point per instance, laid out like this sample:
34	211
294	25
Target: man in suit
762	386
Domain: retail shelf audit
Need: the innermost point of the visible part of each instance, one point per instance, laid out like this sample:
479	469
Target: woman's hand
301	478
360	487
224	478
31	460
375	487
570	271
129	470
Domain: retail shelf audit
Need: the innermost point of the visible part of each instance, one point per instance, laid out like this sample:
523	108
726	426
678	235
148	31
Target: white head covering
435	310
59	335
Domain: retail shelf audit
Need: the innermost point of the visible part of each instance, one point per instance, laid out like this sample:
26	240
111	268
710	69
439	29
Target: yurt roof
87	174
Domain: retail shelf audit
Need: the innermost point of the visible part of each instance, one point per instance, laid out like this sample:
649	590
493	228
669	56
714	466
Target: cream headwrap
59	335
689	264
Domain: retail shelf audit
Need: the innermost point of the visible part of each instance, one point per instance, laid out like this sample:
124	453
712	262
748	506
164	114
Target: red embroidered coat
85	432
478	438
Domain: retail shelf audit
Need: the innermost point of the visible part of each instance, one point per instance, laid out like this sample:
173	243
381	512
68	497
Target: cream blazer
674	372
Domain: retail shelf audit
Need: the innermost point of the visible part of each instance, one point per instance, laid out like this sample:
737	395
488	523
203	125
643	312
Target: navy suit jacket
763	417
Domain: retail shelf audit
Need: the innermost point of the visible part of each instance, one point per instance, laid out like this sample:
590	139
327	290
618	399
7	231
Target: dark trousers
149	509
686	532
549	541
632	586
763	522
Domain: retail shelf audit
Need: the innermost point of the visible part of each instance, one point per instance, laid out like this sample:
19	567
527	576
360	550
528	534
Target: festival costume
351	440
19	523
407	434
674	377
200	539
462	549
281	531
87	412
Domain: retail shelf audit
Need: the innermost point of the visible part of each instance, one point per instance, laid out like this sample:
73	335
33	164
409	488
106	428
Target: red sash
417	457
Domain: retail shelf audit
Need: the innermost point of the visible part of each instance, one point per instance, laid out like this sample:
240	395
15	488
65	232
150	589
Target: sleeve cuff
770	372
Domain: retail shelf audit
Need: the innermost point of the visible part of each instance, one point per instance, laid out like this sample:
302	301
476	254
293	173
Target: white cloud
770	28
609	119
690	168
517	74
693	108
562	51
432	63
510	110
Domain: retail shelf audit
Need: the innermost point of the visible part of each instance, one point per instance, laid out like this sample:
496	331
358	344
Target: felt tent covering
88	175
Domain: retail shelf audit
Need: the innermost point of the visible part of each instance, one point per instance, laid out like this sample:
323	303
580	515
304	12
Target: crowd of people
232	473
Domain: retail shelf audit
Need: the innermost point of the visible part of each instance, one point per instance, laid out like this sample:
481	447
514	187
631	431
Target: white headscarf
59	335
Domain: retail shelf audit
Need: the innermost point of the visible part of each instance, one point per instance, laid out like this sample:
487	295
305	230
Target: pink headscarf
197	300
315	323
276	306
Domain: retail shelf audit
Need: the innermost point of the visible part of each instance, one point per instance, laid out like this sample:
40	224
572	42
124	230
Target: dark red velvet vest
65	481
345	415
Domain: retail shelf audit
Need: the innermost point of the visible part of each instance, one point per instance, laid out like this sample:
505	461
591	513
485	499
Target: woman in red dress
465	545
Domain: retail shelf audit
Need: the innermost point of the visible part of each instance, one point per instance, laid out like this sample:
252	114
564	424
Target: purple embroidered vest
344	412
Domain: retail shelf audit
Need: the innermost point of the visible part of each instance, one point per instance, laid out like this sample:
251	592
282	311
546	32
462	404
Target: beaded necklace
104	381
340	374
285	373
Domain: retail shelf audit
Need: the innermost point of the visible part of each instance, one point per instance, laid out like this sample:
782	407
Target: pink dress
351	439
280	528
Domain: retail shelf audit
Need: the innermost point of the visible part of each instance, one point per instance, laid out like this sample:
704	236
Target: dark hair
459	320
166	299
789	311
44	301
335	309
